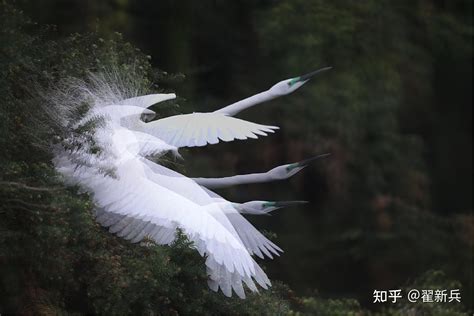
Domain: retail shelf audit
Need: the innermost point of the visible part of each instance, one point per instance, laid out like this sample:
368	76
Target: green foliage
318	306
376	215
431	280
55	259
349	307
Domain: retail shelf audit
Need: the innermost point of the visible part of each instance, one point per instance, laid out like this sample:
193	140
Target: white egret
200	129
139	201
280	89
277	173
144	199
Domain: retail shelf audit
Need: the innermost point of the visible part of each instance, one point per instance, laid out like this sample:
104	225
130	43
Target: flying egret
277	173
145	199
280	89
200	129
139	199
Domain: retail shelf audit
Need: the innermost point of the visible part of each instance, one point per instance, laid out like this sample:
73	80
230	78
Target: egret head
265	207
286	171
289	85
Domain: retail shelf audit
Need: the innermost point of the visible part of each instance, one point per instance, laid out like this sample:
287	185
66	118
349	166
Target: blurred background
394	200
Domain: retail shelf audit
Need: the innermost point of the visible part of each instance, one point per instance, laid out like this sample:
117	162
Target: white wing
132	204
141	144
148	100
137	202
135	142
252	239
200	129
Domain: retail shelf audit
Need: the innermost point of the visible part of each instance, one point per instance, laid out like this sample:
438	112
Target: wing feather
255	242
200	129
148	206
148	100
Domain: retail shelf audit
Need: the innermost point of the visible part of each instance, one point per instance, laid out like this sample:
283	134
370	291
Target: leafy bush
54	257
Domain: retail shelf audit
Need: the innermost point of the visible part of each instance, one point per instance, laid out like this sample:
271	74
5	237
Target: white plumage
146	199
200	129
139	198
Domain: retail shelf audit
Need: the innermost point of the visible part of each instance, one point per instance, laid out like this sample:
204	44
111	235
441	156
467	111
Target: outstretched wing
131	204
200	129
141	144
252	239
148	100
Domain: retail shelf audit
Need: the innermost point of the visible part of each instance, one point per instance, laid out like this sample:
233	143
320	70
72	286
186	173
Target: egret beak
288	203
276	205
312	74
305	162
308	76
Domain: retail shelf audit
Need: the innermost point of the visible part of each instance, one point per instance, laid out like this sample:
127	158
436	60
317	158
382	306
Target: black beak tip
309	160
313	73
300	202
290	203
